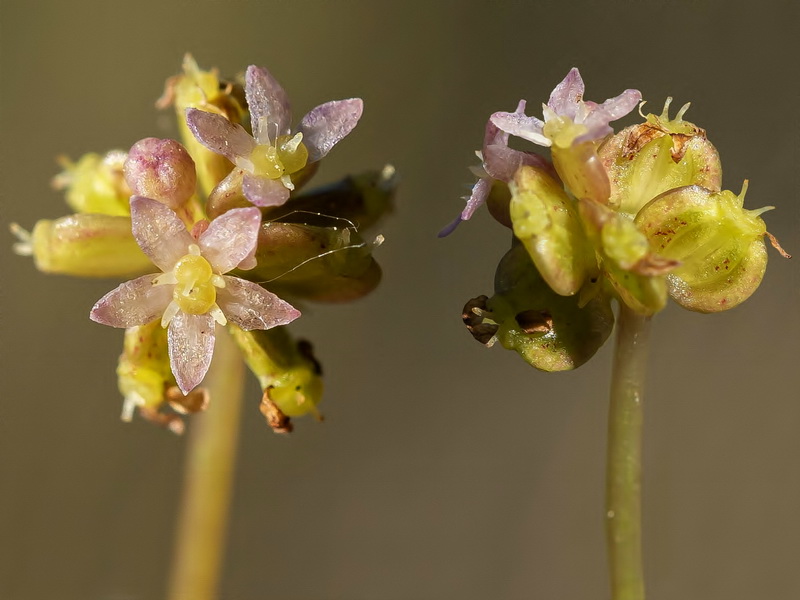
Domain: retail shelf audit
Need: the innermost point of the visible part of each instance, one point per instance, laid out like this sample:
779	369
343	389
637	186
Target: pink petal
230	238
566	95
480	191
328	123
135	302
493	135
262	191
597	121
520	125
219	135
270	111
252	307
161	235
191	345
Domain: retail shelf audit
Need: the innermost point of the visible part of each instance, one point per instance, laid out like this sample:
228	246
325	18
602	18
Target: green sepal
549	331
286	370
582	171
96	184
143	369
719	244
547	223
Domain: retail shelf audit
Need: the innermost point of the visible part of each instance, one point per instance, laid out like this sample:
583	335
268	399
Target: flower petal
480	191
493	135
219	135
159	232
328	123
252	307
230	238
520	125
501	162
566	95
599	117
135	302
262	191
191	345
270	111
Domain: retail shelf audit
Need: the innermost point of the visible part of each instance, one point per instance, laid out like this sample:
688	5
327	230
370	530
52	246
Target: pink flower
192	291
274	152
566	103
499	162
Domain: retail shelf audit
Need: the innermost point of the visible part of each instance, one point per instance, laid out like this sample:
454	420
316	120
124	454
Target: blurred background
444	470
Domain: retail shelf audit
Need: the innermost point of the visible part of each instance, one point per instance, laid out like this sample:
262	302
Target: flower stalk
624	467
208	482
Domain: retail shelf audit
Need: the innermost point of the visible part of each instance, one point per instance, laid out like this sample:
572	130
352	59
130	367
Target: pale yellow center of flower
562	131
287	156
194	293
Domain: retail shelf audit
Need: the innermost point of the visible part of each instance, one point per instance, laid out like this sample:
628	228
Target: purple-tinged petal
230	238
191	345
270	111
328	123
219	135
263	191
494	135
161	235
480	191
599	116
135	302
566	95
252	307
501	162
450	227
520	125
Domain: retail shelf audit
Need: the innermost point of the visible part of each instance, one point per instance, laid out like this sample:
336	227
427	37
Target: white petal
328	123
191	345
263	191
270	111
135	302
230	238
252	307
161	235
528	128
219	135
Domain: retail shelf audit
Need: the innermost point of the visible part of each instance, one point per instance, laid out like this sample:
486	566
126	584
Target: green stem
208	479
623	476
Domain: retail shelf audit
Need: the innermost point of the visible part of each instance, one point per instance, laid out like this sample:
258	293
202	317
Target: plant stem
624	468
208	479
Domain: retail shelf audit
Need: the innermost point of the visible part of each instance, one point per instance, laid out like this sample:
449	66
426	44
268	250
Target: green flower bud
326	264
661	154
95	184
205	91
84	245
547	223
719	244
286	371
549	331
626	259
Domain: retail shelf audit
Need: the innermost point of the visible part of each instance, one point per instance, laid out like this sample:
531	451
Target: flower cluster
637	216
181	220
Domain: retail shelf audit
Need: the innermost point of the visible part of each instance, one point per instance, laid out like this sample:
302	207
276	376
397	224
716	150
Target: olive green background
444	470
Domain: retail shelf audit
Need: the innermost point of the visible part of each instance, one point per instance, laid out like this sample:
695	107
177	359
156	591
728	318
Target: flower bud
661	154
719	244
328	264
582	171
547	223
203	90
286	371
161	170
95	184
84	245
626	259
549	331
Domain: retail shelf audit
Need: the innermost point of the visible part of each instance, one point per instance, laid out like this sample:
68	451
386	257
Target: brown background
445	470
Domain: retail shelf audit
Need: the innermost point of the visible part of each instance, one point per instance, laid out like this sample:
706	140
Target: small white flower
192	292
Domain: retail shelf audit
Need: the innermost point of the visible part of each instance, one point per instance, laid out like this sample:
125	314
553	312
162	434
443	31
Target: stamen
129	405
774	241
170	312
24	247
218	281
287	182
218	315
165	279
291	145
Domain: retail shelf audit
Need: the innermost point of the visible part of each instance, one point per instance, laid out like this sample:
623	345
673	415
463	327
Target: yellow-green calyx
287	156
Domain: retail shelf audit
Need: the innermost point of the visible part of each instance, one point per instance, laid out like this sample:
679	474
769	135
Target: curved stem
623	475
208	480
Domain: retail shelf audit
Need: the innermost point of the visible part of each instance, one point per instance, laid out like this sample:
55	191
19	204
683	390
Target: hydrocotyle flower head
274	152
192	292
568	118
